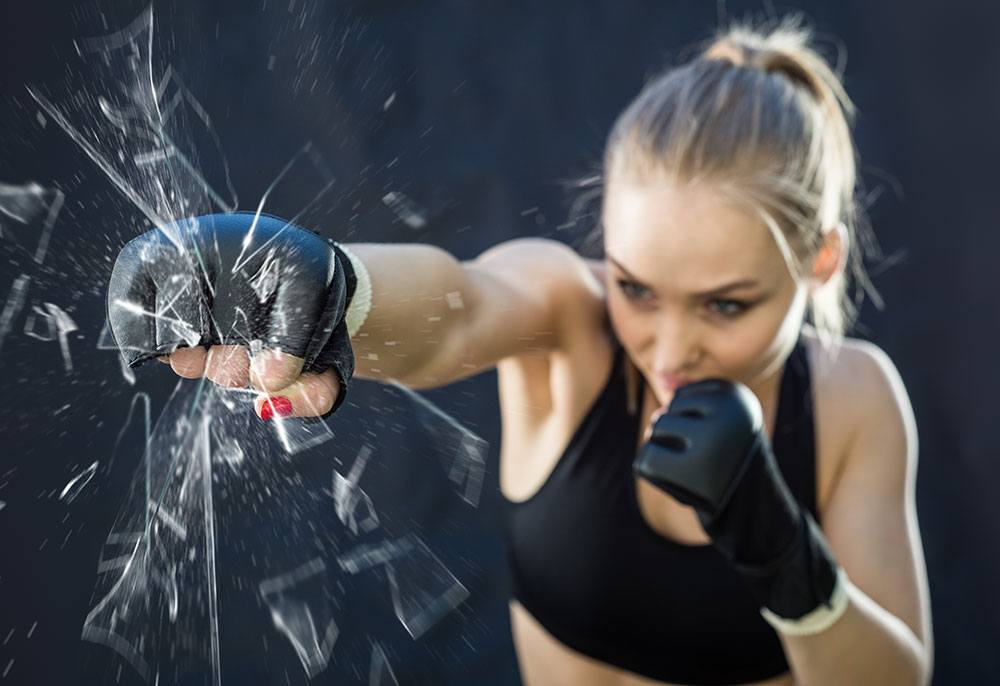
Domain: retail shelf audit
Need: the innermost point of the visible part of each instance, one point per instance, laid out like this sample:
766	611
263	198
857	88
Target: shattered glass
28	215
349	498
297	515
462	453
423	590
78	483
405	209
380	672
158	605
52	324
301	611
143	127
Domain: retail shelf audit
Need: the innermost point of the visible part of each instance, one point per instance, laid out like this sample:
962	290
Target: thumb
310	395
271	370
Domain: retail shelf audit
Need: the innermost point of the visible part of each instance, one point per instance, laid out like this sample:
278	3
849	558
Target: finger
228	365
311	395
272	370
188	362
165	359
672	426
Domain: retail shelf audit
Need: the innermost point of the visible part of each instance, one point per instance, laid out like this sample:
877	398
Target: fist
241	299
699	446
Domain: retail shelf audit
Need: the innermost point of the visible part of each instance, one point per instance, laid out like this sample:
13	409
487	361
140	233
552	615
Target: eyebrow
742	283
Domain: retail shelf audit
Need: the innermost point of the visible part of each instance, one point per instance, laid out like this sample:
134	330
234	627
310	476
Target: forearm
419	298
867	645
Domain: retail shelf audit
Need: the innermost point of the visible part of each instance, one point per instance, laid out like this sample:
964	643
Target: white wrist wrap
361	301
820	619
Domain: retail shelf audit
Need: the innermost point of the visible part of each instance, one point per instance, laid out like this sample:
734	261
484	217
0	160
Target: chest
612	567
545	399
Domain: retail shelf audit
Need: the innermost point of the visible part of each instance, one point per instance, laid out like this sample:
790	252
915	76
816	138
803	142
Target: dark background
496	106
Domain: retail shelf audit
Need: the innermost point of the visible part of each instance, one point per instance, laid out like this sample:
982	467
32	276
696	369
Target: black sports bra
590	569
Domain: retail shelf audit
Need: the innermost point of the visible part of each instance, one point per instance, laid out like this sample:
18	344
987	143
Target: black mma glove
228	279
710	451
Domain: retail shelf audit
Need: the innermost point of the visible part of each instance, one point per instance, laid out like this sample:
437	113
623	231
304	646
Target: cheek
617	315
757	346
630	327
742	355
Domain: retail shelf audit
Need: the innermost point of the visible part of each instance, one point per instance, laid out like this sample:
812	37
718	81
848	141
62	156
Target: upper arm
871	519
520	296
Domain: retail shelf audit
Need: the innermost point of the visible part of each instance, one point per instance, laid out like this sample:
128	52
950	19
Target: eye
728	308
632	290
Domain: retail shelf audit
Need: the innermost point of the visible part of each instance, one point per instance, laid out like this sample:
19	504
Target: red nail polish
276	405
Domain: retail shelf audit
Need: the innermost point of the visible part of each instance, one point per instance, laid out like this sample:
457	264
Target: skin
678	240
670	247
674	240
272	373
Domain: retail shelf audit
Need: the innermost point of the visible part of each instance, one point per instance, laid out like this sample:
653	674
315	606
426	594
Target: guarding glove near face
710	451
231	279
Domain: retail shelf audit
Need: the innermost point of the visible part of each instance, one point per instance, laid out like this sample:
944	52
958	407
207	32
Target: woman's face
697	288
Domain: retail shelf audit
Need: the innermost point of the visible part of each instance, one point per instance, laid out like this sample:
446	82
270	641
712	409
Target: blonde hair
761	115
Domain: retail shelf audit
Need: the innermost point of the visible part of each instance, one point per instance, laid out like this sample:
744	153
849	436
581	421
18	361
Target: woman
729	222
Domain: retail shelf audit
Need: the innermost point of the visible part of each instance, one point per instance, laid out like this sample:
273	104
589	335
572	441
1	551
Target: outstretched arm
432	320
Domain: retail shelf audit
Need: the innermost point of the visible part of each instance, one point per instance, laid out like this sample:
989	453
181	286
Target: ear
831	258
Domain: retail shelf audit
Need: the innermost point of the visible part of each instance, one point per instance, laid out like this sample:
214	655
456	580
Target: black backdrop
479	113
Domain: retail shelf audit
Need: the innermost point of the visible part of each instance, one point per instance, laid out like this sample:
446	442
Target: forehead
691	232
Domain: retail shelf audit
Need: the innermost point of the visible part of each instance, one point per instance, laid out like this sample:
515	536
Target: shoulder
865	413
544	394
569	292
863	380
570	285
884	442
542	257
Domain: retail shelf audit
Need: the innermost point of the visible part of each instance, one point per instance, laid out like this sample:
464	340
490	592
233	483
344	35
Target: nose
676	349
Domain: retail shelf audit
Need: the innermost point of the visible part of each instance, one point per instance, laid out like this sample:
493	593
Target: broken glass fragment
302	611
380	671
461	452
405	209
49	324
78	483
349	498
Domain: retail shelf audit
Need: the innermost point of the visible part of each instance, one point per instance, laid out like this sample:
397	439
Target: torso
543	398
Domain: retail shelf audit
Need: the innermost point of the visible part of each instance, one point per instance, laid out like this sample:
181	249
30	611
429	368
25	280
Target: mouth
666	386
670	382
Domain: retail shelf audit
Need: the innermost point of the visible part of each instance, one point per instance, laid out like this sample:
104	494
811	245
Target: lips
672	382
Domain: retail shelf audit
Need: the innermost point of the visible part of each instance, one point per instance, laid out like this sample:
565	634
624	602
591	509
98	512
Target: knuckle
275	382
324	403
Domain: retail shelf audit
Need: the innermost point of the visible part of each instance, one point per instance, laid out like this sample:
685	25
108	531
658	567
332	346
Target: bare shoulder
535	384
860	375
553	257
858	393
552	272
